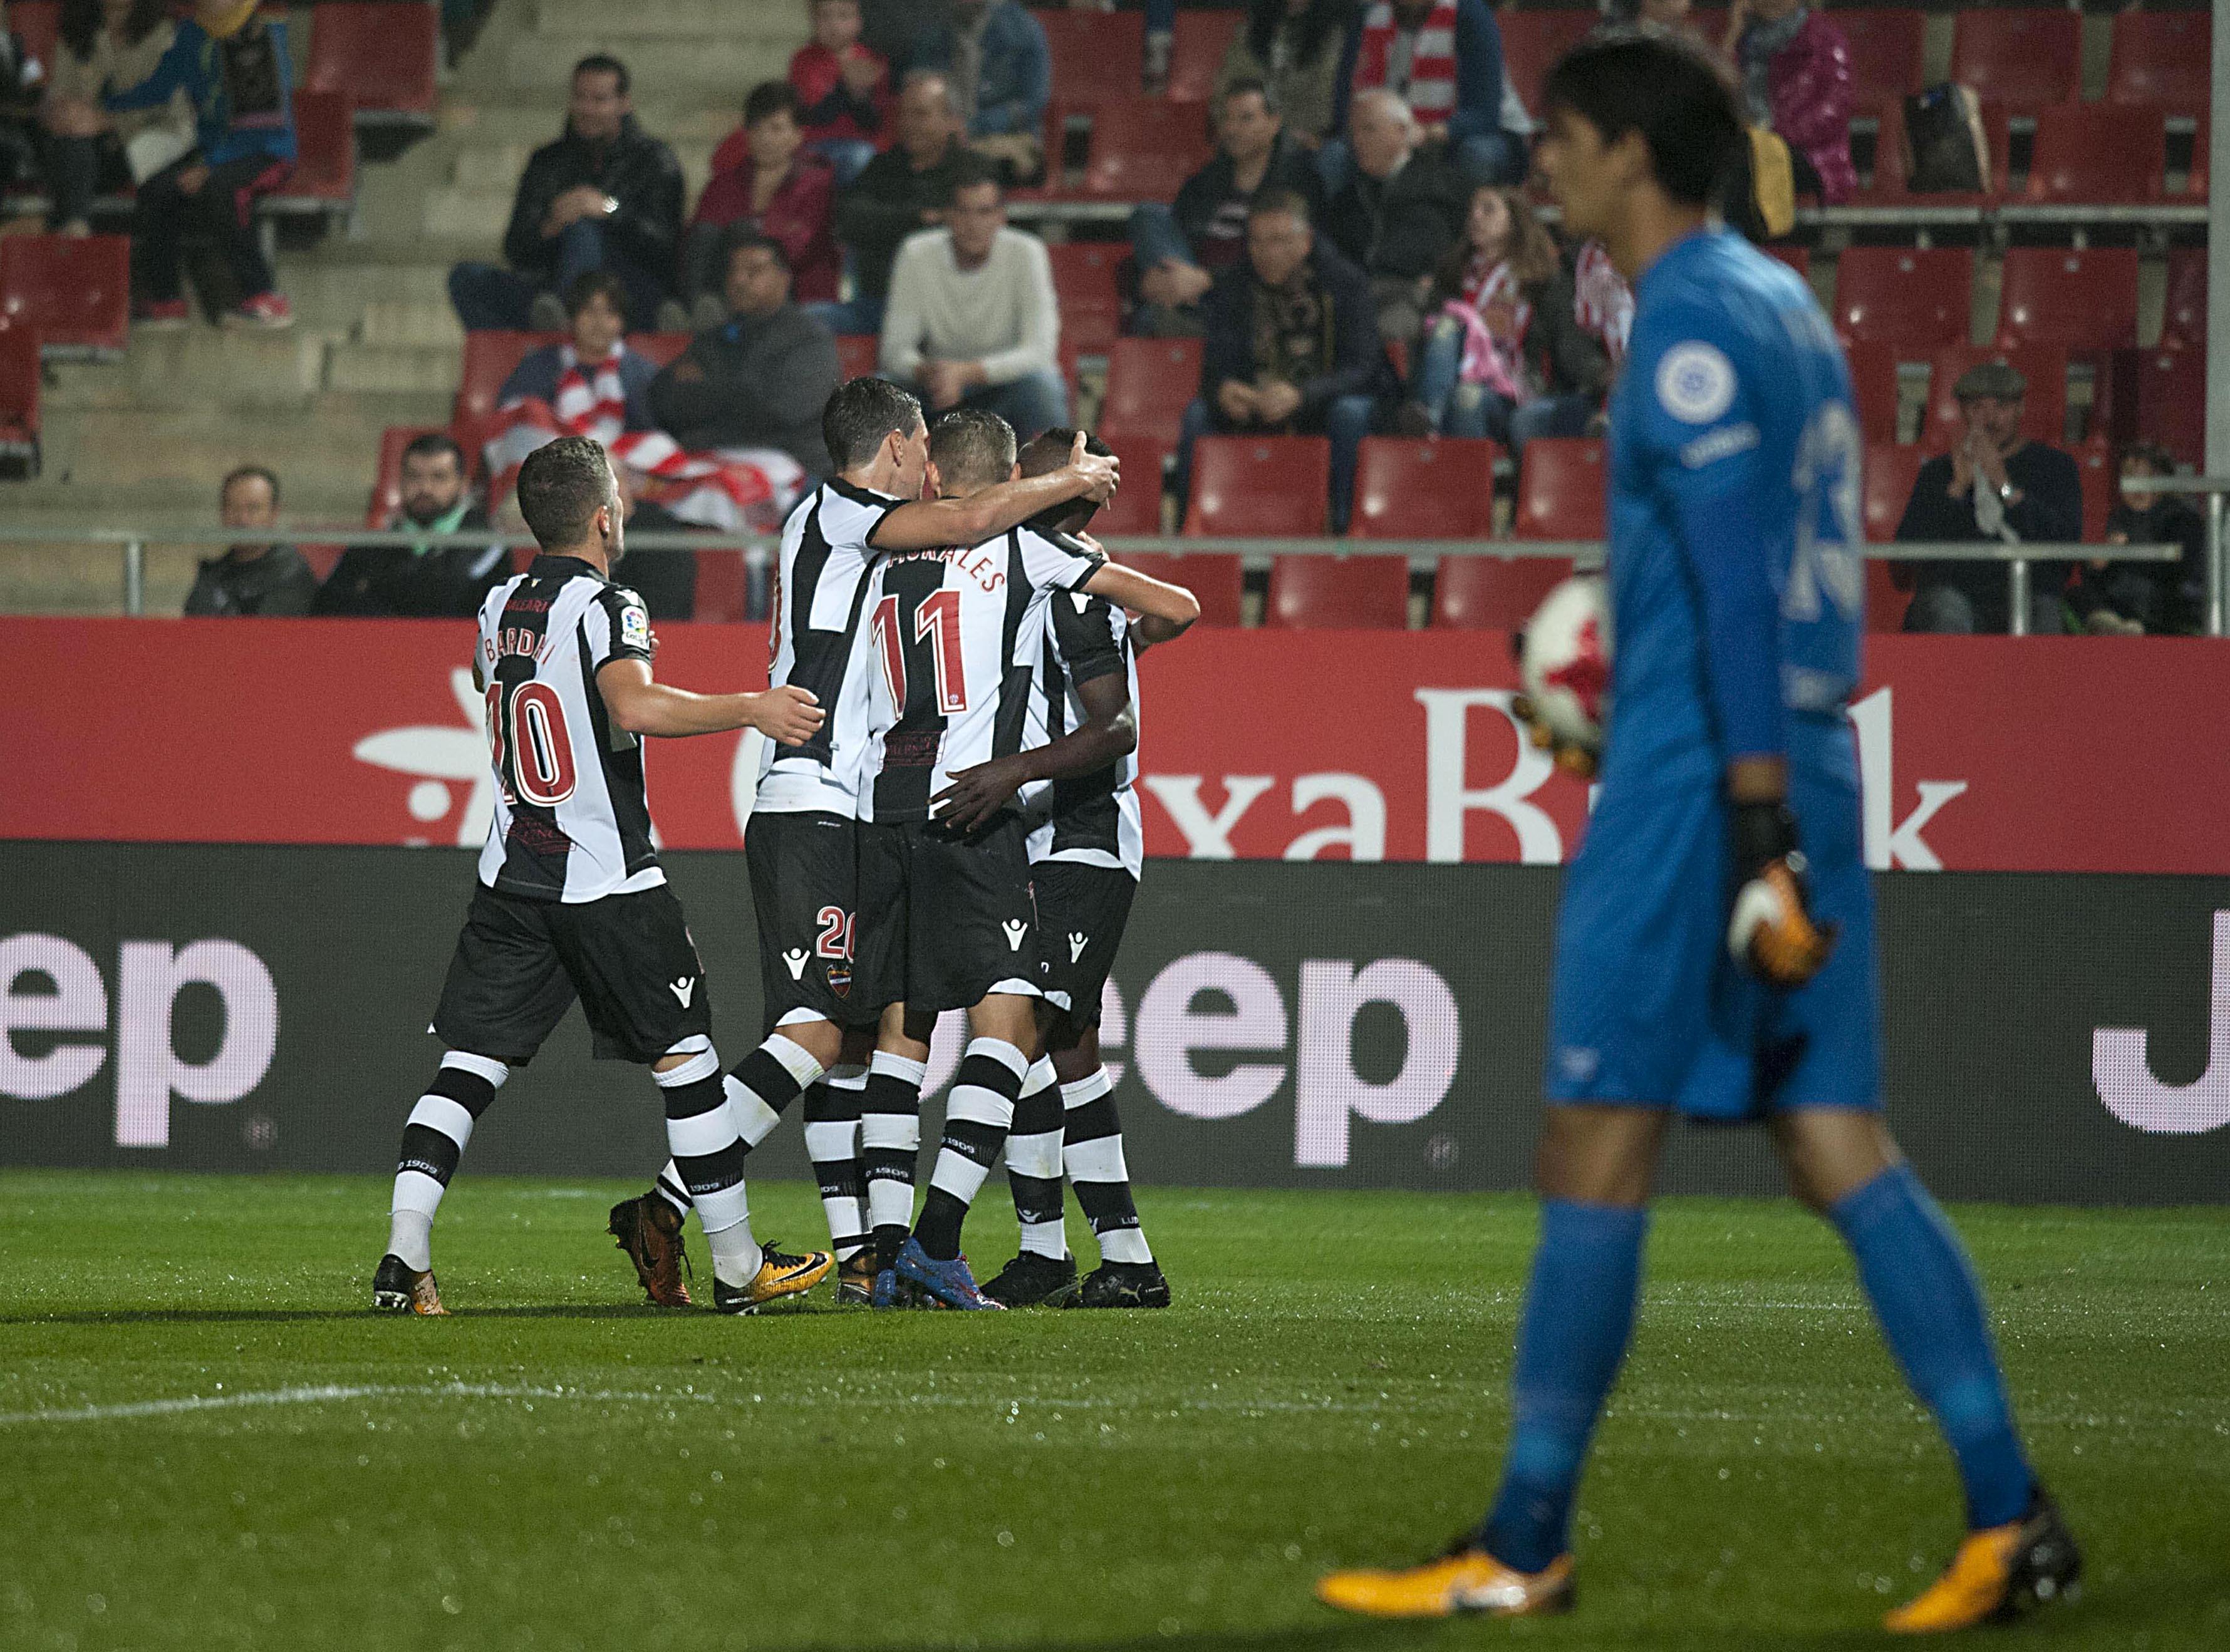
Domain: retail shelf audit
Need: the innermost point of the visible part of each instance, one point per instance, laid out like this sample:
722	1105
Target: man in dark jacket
1290	347
1181	250
2131	599
259	580
760	379
605	195
1401	206
1994	483
420	581
903	190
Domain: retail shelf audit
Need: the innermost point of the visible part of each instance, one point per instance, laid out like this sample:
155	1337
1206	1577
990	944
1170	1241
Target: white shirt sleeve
1056	563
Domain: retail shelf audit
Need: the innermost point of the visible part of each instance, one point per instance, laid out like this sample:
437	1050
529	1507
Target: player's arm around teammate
934	523
642	705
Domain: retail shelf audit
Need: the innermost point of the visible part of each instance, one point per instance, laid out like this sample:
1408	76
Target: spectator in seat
764	179
972	319
843	90
231	62
1994	483
258	578
423	581
1181	250
595	310
1444	59
1291	346
23	88
994	57
761	377
902	191
1400	210
1504	354
1295	48
89	152
605	195
1795	71
2129	599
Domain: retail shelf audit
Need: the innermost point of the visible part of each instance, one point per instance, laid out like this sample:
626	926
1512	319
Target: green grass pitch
208	1442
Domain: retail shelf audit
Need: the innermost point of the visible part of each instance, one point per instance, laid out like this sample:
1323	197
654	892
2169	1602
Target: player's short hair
1667	86
1048	451
972	447
433	444
262	473
744	238
604	63
1269	202
772	98
597	284
970	171
561	486
860	414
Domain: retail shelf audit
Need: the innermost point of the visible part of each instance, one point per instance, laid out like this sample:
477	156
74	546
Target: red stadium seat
1424	490
2194	183
387	487
325	136
2170	392
77	294
2025	57
1137	506
1874	388
1150	382
2184	319
2078	298
1890	474
659	348
1339	594
382	54
1216	578
2044	410
1492	593
1797	258
1916	298
1196	54
1533	40
1096	54
723	588
1885	603
2161	58
1560	489
2098	152
1888	45
37	23
857	353
1889	187
19	397
1260	487
1084	281
2095	464
1143	149
489	359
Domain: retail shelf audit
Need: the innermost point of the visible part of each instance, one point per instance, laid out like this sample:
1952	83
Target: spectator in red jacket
1795	70
843	90
764	179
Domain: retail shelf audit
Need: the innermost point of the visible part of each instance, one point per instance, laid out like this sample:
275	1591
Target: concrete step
416	323
778	24
394	370
205	368
718	67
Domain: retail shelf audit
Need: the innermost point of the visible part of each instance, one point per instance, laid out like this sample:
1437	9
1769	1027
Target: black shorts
1081	912
946	921
520	964
804	869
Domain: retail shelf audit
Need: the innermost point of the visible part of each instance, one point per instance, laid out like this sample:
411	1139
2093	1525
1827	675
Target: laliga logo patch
634	626
1695	384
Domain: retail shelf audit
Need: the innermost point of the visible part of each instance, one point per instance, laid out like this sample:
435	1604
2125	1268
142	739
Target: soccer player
572	902
802	847
953	640
1737	594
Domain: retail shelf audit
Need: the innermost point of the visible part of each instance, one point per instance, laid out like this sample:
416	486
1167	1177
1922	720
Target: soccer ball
1565	662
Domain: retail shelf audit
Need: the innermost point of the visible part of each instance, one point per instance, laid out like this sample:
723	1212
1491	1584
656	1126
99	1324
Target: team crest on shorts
838	971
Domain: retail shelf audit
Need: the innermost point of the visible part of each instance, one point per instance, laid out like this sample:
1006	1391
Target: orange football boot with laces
1463	1581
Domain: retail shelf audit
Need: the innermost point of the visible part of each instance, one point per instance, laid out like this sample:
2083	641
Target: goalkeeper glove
1771	932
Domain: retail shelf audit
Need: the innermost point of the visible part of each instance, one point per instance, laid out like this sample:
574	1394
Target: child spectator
764	178
843	91
2132	598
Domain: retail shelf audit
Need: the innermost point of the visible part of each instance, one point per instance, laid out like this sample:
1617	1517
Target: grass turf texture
557	1466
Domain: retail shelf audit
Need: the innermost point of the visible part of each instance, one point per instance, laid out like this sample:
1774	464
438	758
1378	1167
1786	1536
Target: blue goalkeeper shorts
1648	1008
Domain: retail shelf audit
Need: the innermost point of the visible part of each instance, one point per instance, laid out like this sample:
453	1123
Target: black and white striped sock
433	1141
668	1191
890	1142
1093	1156
1034	1163
765	1083
978	1112
832	1141
708	1155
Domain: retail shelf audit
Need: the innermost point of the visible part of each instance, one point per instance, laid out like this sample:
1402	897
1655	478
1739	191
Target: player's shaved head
972	450
561	487
1043	454
1667	87
858	416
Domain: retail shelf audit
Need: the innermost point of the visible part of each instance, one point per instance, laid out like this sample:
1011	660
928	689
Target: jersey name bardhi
952	638
820	583
572	820
1093	818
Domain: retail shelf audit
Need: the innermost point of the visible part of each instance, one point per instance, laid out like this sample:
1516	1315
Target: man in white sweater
972	317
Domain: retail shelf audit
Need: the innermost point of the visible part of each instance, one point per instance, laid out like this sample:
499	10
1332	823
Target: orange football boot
1464	1580
1999	1573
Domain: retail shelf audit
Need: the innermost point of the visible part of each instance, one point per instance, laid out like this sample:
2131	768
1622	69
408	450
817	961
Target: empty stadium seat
1532	41
490	358
1560	489
2077	297
857	353
1339	594
387	486
1217	579
381	53
2161	58
1492	593
76	293
1150	382
659	348
2100	152
2025	57
1890	474
37	23
1260	487
1096	54
2183	319
2169	393
1888	47
1084	281
1797	258
1917	298
1874	388
1137	506
323	182
1143	149
2044	410
1886	601
1196	53
19	397
1424	490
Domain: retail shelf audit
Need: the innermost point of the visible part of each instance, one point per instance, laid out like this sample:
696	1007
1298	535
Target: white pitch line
331	1392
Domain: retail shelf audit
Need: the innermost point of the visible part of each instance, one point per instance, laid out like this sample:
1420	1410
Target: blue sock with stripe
1929	1305
1579	1315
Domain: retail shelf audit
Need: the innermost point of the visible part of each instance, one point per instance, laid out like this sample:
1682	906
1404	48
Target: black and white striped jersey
1093	818
952	638
821	585
572	820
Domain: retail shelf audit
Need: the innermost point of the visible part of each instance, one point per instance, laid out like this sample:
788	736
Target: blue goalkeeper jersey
1737	589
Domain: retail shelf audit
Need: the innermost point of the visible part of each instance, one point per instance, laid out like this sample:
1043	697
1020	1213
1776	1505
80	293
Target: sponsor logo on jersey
795	958
1077	943
684	989
1017	930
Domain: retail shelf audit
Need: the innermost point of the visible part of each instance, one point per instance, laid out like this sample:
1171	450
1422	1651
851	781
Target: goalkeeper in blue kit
1715	948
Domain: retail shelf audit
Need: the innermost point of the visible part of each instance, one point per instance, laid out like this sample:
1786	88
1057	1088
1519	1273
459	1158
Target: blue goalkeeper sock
1924	1294
1579	1312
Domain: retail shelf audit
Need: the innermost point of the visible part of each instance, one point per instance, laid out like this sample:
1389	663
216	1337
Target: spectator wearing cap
1296	48
1001	70
843	89
902	191
973	321
1443	58
2131	599
1994	483
256	578
1400	209
595	314
765	180
421	580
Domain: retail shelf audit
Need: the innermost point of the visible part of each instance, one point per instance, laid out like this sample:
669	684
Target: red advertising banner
2089	754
